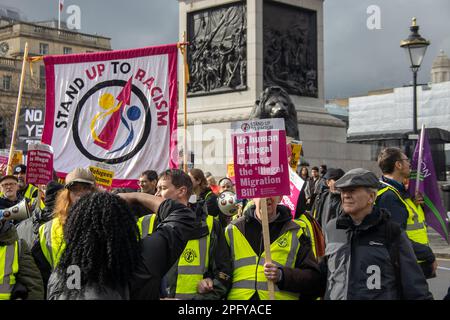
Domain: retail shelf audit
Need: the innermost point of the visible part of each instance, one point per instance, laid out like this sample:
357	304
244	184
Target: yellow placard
17	158
102	176
296	147
230	170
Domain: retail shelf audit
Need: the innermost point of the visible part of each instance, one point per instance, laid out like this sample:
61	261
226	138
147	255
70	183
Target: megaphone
17	213
228	203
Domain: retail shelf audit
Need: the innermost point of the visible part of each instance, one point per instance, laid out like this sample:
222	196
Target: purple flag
428	186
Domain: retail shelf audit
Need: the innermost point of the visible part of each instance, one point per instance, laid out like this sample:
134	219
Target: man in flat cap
367	256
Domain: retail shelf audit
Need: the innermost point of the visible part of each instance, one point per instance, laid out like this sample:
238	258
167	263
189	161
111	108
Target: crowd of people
353	236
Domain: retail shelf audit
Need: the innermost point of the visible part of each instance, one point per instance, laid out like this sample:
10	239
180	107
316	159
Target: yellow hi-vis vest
146	224
248	268
305	224
416	228
9	266
51	238
29	195
193	262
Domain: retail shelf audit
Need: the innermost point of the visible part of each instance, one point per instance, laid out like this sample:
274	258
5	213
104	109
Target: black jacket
327	206
371	261
162	248
305	277
389	201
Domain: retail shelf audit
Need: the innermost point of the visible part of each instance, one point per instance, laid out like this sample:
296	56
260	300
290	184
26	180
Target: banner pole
266	239
18	106
419	162
186	81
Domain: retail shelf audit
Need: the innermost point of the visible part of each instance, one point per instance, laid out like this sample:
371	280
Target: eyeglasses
6	185
404	159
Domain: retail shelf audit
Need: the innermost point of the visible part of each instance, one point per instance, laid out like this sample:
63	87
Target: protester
20	276
208	253
368	256
212	182
205	194
26	190
327	205
293	268
103	242
407	212
28	230
313	187
47	251
147	181
176	225
301	202
10	196
225	184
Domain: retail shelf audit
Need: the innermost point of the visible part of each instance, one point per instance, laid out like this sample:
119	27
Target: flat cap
10	176
334	174
358	178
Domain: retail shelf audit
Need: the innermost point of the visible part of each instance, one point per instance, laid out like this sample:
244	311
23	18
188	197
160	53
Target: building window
7	82
43	48
41	77
67	50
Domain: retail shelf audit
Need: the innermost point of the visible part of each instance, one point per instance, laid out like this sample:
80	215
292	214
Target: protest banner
116	107
261	168
296	150
103	175
39	164
31	125
4	156
230	172
435	214
260	161
295	185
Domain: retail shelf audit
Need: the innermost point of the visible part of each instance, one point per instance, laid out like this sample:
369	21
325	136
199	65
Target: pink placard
260	161
39	164
295	185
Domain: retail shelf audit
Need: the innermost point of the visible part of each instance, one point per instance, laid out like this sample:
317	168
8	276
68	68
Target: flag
117	109
428	187
61	5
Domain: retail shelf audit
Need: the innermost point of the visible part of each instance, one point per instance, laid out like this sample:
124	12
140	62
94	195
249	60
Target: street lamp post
415	47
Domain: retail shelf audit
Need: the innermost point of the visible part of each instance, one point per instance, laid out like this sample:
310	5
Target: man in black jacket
369	257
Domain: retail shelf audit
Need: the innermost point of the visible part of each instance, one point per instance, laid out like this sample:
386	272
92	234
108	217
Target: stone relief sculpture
217	52
290	49
274	102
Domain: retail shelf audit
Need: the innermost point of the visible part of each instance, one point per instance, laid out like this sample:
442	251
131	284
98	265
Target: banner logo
123	110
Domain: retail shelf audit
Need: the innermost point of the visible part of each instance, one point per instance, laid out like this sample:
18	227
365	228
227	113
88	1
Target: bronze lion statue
275	102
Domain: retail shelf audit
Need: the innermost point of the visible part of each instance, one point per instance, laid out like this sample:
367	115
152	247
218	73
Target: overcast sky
356	59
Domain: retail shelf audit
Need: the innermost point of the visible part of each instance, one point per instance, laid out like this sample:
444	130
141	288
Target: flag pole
266	241
420	159
59	14
18	106
183	47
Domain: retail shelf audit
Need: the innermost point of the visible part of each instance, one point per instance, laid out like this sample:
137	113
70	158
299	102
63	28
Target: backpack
319	239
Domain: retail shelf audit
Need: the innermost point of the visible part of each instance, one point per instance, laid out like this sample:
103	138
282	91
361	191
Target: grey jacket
371	261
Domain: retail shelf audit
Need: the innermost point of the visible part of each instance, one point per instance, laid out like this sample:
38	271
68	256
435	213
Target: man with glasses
9	187
407	212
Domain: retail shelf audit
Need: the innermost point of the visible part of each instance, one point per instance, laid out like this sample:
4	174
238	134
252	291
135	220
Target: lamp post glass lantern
415	47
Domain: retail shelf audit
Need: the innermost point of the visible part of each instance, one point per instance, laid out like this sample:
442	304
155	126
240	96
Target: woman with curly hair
48	248
102	242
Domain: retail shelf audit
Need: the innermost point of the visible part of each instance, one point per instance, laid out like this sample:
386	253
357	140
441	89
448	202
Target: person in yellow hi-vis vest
407	212
19	276
294	268
47	249
203	270
26	190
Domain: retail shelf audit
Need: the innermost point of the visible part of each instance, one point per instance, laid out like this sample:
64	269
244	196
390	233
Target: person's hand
205	286
272	272
418	199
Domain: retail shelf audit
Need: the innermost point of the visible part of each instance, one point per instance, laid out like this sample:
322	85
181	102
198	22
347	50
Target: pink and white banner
260	158
295	186
118	108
